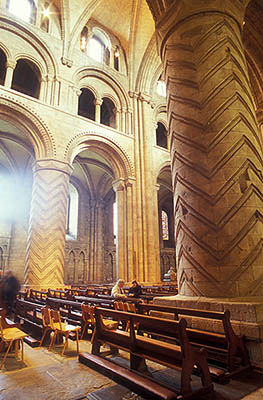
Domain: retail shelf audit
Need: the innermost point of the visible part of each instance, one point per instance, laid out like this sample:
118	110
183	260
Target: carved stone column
121	260
99	245
10	67
98	103
215	148
47	227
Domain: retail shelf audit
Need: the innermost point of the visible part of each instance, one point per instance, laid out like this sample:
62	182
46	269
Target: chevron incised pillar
216	153
47	228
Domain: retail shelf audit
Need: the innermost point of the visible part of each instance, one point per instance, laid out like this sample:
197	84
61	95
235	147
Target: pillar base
246	317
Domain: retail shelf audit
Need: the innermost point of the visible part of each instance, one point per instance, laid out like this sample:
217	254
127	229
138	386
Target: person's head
120	283
8	274
134	283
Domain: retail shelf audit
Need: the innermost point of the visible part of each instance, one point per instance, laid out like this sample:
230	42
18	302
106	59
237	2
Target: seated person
135	290
117	290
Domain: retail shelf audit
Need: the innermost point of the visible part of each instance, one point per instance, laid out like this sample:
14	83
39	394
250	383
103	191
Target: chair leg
93	335
66	343
52	341
83	331
16	347
43	336
7	351
77	336
22	349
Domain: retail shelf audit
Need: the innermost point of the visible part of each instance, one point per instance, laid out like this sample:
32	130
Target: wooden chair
62	328
89	315
46	320
10	336
88	319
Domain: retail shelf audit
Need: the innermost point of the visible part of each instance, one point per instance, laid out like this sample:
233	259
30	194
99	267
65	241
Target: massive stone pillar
47	227
215	148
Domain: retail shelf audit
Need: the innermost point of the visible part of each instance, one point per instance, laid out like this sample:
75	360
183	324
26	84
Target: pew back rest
166	327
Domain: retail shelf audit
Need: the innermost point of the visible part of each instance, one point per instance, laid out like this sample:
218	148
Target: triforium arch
216	155
112	88
115	183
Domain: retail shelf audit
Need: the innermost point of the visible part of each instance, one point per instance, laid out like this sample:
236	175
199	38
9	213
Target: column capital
52	164
11	64
129	182
118	185
66	61
98	102
134	95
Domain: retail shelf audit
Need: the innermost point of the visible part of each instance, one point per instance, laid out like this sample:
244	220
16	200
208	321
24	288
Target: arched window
84	39
86	104
24	9
95	49
2	67
165	225
107	113
161	87
73	210
44	24
116	58
99	46
26	78
161	136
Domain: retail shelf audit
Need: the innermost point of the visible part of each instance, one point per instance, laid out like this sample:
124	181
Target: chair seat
110	324
65	327
13	334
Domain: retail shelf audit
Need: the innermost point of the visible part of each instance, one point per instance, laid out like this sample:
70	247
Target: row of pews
213	356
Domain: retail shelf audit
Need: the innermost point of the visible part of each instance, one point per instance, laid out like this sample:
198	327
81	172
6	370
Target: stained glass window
165	227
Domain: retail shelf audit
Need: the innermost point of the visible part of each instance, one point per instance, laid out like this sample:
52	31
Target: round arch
104	146
121	94
41	48
32	60
163	168
31	124
5	50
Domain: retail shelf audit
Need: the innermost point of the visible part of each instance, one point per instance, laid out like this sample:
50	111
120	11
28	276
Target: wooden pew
37	296
30	314
227	352
95	301
181	357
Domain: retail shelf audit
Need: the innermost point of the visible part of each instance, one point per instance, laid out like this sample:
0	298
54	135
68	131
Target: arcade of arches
95	159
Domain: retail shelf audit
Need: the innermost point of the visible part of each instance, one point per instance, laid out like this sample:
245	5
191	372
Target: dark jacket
135	291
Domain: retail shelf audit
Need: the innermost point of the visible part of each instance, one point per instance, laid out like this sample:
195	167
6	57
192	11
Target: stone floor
49	376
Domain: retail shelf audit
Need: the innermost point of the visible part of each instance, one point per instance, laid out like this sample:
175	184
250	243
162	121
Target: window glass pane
21	9
165	228
95	50
161	88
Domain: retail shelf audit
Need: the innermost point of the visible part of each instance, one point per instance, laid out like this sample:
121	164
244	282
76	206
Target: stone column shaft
215	151
10	67
47	226
98	104
121	255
